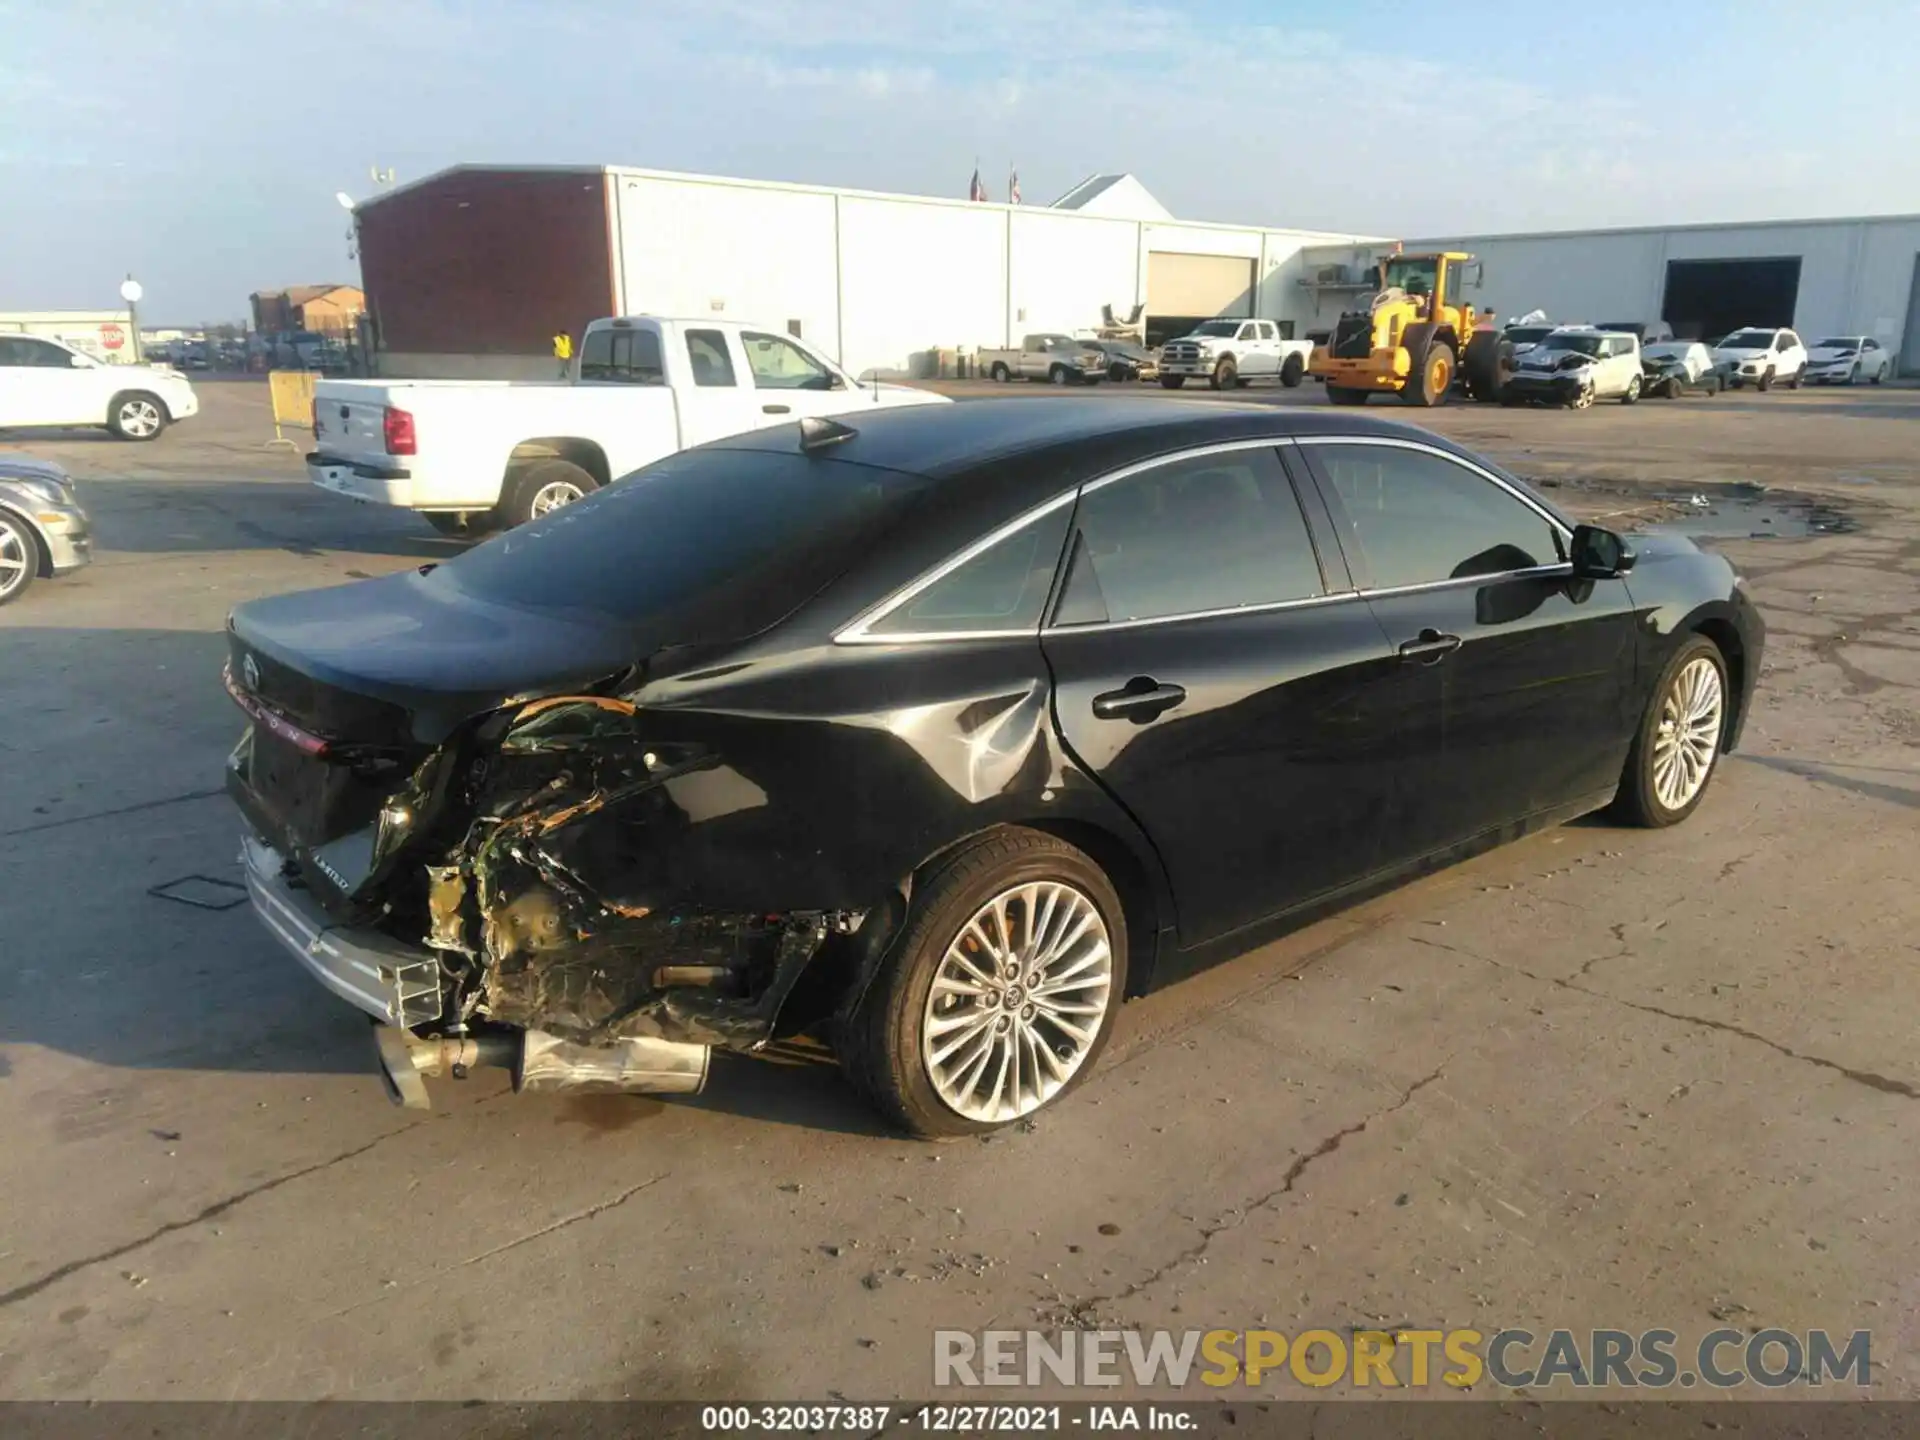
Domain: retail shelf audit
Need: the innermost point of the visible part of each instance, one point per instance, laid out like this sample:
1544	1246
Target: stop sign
112	336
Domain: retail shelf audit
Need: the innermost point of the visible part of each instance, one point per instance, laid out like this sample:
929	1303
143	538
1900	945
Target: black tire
1878	376
1792	382
1000	372
1057	375
1430	385
1172	382
879	1045
1765	383
1117	373
1292	371
1346	395
20	557
526	483
1637	801
1487	367
462	524
137	415
1225	375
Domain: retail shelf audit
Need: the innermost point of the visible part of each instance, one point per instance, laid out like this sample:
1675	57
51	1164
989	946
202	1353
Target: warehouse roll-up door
1185	289
1708	298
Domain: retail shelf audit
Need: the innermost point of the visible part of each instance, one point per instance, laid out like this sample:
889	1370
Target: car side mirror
1599	554
78	362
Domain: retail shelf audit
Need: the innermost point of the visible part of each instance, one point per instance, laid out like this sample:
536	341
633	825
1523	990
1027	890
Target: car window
1249	332
1004	587
1420	517
1869	344
779	364
1781	342
36	354
1215	532
622	357
712	364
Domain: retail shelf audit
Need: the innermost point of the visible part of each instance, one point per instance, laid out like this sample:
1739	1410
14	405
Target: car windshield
1842	344
1581	344
1413	276
1528	334
1229	328
1748	340
718	544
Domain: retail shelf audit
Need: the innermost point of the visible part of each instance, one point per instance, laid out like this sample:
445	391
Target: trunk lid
349	419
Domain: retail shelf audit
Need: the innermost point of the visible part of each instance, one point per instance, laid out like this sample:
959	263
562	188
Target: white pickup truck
1226	353
476	455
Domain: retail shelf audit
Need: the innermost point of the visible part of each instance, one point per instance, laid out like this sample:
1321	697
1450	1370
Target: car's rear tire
985	921
1632	392
1292	371
1225	375
1172	382
1792	382
541	487
19	557
1346	395
1000	373
1677	747
137	415
1430	386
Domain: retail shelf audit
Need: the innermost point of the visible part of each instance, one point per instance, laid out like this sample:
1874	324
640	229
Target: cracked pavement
1599	1078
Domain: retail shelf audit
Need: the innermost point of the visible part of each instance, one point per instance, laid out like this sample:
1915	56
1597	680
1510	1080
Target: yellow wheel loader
1414	338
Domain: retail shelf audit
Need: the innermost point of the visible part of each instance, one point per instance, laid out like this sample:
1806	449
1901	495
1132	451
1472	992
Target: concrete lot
1600	1078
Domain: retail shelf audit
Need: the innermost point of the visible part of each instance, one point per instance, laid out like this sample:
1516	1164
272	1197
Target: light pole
131	292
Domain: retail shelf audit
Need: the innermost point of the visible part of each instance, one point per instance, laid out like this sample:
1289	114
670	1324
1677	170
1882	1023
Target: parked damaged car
1672	368
940	738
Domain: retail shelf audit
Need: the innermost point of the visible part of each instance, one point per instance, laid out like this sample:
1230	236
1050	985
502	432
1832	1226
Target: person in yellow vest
563	352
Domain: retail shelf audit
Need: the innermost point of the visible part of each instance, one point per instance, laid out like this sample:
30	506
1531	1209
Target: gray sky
198	143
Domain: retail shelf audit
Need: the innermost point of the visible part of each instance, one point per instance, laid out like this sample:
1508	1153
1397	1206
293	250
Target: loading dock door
1909	357
1706	299
1183	290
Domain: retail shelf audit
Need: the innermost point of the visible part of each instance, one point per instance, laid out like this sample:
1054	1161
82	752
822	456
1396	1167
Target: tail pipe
541	1063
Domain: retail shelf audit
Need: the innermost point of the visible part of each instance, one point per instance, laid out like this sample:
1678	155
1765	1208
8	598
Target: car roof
1085	437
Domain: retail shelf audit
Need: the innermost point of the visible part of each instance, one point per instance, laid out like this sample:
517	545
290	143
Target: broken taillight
397	427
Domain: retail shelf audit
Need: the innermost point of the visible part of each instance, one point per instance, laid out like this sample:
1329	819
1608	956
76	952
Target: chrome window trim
854	632
1394	442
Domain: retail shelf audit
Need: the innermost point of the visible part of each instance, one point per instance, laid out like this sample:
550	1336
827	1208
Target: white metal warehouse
474	269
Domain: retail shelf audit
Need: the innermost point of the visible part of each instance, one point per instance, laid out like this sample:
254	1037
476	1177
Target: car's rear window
725	541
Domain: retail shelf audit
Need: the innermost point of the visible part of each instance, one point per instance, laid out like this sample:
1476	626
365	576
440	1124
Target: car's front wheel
1766	381
1678	743
19	557
136	416
998	994
1172	382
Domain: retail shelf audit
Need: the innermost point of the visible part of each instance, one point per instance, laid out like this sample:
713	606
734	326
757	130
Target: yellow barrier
292	392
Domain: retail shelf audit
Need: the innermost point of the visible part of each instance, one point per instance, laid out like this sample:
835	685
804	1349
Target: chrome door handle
1431	647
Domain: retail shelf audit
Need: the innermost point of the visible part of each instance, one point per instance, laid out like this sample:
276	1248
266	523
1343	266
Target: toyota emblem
250	672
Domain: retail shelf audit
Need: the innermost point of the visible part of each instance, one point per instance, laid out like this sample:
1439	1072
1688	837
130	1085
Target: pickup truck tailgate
350	455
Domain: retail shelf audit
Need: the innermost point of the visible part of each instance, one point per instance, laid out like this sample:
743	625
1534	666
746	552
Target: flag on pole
977	190
1013	186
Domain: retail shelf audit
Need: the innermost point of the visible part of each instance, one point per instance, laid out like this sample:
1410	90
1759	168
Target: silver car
43	529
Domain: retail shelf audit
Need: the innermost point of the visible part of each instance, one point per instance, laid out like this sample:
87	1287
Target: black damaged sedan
939	739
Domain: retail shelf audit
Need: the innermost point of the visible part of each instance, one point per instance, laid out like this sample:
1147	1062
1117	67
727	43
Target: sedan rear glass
727	542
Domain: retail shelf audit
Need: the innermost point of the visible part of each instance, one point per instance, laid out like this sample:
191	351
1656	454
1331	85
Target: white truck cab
1228	353
475	455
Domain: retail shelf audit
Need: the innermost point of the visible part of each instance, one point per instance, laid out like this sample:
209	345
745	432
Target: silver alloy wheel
1583	399
1017	1001
19	558
139	418
1688	737
552	496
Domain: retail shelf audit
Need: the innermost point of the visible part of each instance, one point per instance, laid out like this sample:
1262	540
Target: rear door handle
1140	700
1432	646
776	409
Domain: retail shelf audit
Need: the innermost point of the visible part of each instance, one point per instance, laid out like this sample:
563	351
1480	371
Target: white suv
43	382
1759	357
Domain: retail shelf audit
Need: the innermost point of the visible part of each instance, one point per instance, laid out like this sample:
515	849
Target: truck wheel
541	488
1000	373
136	415
1430	386
1344	395
1117	373
1225	375
1292	371
1487	367
999	992
1172	382
1058	376
19	557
